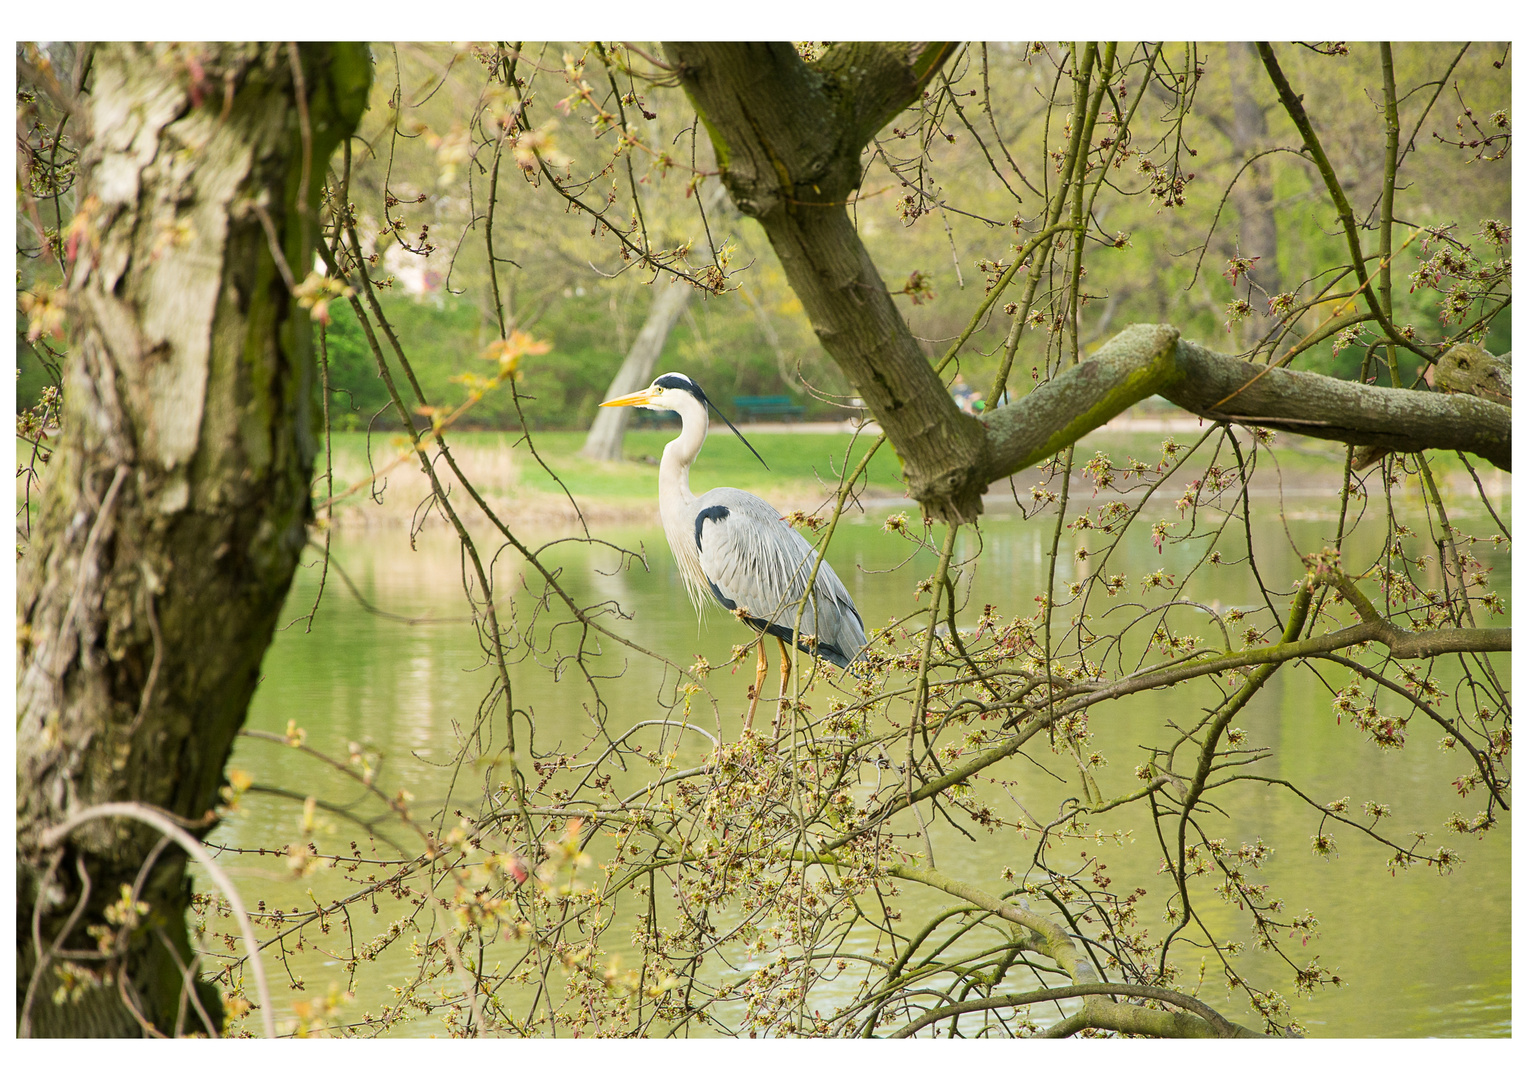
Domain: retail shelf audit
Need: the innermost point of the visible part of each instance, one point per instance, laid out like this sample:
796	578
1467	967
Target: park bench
654	418
754	408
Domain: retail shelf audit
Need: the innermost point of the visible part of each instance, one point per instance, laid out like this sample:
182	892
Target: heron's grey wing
754	561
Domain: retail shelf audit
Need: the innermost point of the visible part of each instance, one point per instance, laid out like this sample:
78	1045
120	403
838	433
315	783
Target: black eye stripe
679	382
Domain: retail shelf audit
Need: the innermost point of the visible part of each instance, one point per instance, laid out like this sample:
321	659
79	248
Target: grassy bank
804	467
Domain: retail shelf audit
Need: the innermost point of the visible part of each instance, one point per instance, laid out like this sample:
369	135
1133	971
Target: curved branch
788	137
1051	939
155	817
1165	1025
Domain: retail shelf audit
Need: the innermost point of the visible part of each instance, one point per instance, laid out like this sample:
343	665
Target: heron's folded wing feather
756	561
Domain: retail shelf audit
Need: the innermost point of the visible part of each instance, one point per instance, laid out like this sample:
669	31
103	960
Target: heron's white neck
676	501
674	471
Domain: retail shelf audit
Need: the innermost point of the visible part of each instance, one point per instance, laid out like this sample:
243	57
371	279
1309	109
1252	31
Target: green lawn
802	466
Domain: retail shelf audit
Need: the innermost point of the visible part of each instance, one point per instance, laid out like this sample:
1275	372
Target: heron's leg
785	681
758	686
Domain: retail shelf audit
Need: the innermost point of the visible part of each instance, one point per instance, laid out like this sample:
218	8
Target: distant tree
608	431
1247	131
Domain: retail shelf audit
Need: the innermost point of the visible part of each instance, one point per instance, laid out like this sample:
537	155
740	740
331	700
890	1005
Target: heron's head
668	392
678	393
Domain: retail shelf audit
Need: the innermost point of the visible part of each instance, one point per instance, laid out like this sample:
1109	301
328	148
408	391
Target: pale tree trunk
177	503
609	428
608	431
1253	194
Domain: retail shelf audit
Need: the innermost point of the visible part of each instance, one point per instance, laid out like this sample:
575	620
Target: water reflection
1418	954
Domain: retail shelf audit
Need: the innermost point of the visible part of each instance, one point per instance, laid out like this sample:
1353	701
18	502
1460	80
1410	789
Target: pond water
1419	954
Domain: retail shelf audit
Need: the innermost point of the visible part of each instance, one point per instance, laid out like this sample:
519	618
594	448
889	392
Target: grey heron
733	548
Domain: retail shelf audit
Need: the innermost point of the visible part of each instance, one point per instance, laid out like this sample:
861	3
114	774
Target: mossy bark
178	500
1469	369
1144	359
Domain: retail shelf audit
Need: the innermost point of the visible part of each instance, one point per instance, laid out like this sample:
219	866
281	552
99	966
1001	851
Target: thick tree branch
788	136
1145	360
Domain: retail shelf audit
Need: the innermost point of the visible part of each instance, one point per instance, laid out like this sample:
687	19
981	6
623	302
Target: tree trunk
177	503
788	136
609	428
1253	194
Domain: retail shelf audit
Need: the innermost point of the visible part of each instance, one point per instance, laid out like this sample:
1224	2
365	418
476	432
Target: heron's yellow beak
641	397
